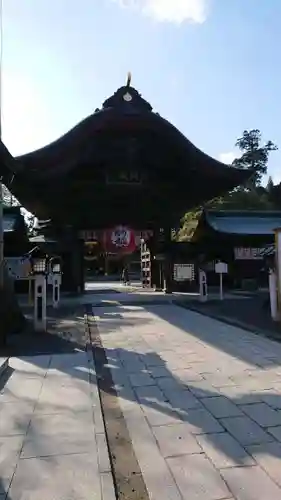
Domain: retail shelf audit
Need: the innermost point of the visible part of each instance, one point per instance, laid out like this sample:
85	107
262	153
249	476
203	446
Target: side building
238	238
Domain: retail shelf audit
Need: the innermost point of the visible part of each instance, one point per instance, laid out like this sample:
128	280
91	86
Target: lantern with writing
121	239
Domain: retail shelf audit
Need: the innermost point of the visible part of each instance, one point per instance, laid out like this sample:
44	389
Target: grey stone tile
197	478
245	430
182	400
107	487
31	365
218	380
42	445
67	422
141	379
15	418
156	474
53	380
249	398
149	393
79	373
62	399
203	389
162	414
98	420
268	456
103	456
200	421
176	440
276	432
10	448
159	372
187	375
20	388
169	384
221	407
224	451
250	483
135	367
263	414
272	399
71	360
66	477
120	377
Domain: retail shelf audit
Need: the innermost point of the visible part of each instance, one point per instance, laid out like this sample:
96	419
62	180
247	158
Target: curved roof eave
239	222
65	152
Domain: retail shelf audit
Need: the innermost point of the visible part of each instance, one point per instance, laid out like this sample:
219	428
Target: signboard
124	176
221	268
242	253
183	272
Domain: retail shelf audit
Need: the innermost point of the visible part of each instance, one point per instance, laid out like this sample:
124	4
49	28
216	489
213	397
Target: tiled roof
251	223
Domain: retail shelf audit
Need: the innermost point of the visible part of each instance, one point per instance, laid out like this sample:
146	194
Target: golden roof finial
129	78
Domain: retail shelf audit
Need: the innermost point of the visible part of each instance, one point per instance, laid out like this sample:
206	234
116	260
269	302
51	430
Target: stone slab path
52	439
201	400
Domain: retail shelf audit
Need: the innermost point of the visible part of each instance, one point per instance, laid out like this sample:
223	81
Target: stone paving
52	439
201	399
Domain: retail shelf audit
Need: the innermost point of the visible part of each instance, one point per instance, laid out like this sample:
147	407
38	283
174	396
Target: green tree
274	195
188	225
254	154
270	185
251	197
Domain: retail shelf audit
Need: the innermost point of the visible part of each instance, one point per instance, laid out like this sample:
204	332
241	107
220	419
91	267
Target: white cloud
173	11
227	158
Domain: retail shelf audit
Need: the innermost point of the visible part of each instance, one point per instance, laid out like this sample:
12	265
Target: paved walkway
201	399
52	439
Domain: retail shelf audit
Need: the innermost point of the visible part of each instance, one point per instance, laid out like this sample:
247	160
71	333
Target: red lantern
121	239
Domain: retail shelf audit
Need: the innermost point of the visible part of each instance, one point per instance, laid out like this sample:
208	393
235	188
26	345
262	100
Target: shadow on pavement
252	313
3	492
240	427
213	332
61	336
234	427
229	425
50	379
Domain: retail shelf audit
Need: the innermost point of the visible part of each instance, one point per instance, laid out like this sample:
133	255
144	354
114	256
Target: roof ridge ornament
129	79
128	98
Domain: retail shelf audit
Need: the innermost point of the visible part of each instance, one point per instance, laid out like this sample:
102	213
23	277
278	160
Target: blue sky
212	67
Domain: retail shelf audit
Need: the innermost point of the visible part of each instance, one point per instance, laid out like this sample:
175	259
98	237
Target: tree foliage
254	155
251	197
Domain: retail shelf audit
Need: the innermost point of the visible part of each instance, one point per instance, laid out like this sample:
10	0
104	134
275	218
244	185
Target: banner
120	239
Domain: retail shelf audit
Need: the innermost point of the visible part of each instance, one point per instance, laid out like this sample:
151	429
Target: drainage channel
128	480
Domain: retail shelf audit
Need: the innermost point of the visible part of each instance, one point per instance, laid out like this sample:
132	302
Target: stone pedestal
12	319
